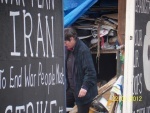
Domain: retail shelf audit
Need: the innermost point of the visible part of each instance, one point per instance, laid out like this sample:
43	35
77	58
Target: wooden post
121	21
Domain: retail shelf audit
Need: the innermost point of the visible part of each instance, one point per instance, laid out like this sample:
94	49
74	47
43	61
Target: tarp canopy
73	9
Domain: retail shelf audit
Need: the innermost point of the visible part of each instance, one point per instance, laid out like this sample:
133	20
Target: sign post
137	58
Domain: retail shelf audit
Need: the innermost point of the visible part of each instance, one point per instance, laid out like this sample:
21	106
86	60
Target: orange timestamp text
126	98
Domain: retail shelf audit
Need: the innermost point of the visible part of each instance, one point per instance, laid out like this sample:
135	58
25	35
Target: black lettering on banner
47	4
15	82
31	56
142	6
137	84
40	106
138	38
27	36
2	80
141	71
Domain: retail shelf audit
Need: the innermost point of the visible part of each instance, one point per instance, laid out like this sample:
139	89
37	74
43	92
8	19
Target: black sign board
31	56
141	80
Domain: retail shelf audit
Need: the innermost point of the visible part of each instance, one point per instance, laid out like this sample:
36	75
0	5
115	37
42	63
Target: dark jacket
84	73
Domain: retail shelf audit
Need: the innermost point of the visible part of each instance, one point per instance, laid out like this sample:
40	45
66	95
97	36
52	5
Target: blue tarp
73	9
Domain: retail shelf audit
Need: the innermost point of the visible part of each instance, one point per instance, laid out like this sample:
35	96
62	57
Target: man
80	73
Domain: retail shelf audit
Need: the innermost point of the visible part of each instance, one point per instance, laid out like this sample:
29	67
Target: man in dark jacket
80	73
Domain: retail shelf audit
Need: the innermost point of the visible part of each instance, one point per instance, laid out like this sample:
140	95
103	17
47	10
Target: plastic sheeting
73	9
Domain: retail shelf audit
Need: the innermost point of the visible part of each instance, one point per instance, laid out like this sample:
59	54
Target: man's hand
82	92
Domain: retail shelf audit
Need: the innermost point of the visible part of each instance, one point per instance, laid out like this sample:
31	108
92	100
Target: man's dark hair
70	32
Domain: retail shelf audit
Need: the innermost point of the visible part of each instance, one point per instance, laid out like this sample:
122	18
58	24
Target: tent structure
73	9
